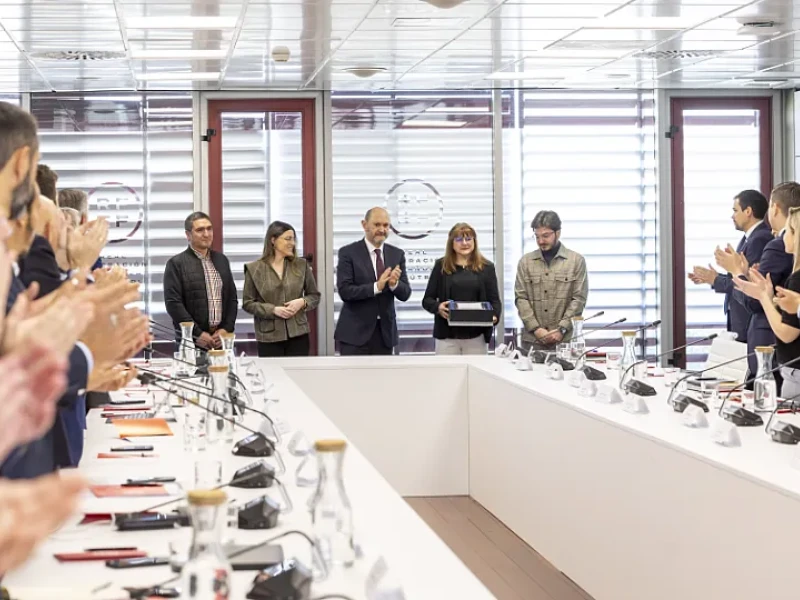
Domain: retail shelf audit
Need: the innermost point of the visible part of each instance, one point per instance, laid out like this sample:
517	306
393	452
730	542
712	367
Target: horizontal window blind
589	156
132	153
428	159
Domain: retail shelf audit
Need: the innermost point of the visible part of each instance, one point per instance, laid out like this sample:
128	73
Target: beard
22	197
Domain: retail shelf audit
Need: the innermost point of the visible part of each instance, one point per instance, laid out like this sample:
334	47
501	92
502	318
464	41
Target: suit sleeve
771	263
40	266
723	283
311	293
173	297
493	291
251	299
431	300
77	376
578	302
523	302
349	290
403	290
230	306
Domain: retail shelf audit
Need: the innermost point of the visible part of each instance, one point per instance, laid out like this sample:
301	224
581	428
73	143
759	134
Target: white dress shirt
374	258
749	231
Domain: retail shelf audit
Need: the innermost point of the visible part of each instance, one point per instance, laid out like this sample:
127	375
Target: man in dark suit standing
369	276
774	261
749	209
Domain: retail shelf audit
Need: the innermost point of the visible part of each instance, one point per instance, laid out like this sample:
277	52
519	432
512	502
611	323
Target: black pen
110	549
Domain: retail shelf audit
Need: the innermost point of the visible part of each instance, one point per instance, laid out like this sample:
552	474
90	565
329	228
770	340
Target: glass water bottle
228	340
207	572
577	343
219	420
187	350
628	352
765	390
331	513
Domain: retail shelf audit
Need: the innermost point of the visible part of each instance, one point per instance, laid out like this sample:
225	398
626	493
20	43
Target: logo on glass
121	206
416	208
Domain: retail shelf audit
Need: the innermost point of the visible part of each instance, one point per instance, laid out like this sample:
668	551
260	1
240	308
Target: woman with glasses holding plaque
462	278
279	290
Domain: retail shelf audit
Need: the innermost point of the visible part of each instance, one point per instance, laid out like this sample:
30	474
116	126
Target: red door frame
306	107
677	107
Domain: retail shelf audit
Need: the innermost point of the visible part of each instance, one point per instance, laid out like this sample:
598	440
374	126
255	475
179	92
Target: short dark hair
755	201
785	196
188	224
46	178
546	218
18	130
74	198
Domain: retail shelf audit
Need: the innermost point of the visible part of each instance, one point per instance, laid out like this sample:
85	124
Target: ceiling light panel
194	23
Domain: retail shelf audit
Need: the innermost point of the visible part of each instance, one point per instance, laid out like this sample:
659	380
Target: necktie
742	242
379	266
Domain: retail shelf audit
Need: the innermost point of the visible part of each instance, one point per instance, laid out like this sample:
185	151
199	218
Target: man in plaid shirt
199	286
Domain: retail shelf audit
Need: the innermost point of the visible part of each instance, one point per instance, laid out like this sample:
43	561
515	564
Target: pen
110	549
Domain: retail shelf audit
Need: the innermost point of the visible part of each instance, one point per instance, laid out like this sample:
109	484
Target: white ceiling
479	44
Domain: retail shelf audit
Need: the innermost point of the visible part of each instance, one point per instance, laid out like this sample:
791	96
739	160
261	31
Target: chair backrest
723	348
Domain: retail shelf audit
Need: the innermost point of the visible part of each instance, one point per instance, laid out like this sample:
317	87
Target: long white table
629	506
385	525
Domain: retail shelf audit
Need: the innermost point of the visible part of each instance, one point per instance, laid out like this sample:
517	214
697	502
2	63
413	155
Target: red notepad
99	555
118	491
129	428
126	455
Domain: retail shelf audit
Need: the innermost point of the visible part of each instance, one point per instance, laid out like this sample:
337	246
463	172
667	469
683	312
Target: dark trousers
374	347
296	346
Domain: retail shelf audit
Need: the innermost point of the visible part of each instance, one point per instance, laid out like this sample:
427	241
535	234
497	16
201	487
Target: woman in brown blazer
279	289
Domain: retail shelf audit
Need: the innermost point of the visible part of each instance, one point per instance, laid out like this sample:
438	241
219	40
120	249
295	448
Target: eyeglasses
464	239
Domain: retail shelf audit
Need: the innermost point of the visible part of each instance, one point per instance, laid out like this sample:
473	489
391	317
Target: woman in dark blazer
463	275
279	290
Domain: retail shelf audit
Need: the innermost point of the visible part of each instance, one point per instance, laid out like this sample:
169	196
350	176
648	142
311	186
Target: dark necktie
379	266
742	243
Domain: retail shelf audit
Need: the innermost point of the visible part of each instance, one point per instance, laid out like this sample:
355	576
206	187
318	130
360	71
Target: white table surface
385	525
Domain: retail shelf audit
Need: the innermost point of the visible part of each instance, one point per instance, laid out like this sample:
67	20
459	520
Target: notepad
129	428
118	491
125	455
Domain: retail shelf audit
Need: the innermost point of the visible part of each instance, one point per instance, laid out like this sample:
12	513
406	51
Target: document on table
129	428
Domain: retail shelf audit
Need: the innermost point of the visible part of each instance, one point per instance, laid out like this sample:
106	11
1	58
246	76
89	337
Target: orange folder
126	455
118	491
129	428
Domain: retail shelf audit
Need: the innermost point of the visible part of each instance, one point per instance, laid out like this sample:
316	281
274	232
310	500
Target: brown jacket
264	290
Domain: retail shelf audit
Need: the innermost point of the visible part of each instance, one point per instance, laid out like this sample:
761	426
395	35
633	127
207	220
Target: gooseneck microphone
643	389
739	415
596	374
783	432
680	403
589	331
281	579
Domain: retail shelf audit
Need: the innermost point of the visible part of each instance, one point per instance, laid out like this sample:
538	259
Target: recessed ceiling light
178	76
364	72
668	23
444	4
181	23
178	54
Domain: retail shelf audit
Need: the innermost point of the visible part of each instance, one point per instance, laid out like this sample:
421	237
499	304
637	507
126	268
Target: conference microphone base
289	580
785	433
593	374
255	445
639	388
682	402
741	417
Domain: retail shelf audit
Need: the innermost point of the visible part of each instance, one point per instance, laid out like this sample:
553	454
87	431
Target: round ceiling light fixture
444	4
364	72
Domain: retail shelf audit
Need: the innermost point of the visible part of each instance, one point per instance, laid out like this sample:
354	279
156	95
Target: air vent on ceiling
72	55
676	54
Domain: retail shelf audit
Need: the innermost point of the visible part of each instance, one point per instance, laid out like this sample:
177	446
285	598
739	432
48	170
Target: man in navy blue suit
749	209
369	276
774	261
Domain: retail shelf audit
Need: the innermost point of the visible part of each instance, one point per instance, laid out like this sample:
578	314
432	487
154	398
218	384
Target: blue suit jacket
63	444
776	262
355	282
738	317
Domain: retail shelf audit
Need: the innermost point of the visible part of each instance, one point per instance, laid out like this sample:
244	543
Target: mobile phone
130	563
142	448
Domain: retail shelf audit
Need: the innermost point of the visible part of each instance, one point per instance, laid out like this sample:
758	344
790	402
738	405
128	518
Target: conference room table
387	531
629	506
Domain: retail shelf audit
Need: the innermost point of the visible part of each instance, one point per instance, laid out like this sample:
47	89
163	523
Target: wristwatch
563	331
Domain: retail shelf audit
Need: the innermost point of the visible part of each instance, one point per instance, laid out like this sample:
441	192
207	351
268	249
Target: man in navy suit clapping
369	276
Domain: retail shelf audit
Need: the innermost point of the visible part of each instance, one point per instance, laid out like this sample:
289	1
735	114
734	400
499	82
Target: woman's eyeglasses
462	239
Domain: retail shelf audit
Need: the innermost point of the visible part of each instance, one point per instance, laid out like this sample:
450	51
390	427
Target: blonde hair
476	260
793	223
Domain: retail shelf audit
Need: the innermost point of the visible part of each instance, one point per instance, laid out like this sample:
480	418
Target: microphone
608	326
783	432
256	444
540	356
290	579
596	374
642	389
740	416
680	403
